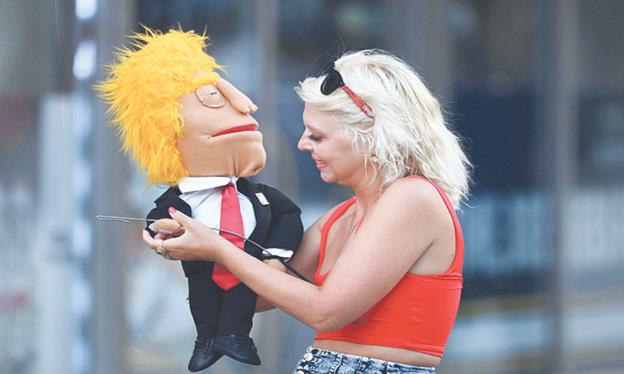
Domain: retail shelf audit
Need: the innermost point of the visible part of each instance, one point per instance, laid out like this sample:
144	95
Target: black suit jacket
278	224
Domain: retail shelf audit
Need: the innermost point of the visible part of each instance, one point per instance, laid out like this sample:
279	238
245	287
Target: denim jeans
320	361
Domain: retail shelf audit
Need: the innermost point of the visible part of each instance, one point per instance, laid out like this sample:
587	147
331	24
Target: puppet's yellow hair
142	89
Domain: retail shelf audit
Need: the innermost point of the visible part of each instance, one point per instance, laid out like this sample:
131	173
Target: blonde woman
386	263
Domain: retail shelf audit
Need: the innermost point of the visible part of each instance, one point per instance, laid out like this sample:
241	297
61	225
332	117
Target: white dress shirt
203	194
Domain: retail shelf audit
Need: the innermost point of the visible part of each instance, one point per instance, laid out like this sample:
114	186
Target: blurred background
535	89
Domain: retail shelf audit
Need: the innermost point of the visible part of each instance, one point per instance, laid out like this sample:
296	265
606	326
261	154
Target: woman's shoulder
414	202
417	207
411	192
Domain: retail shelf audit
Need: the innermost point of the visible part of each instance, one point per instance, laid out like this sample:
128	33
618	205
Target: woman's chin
327	177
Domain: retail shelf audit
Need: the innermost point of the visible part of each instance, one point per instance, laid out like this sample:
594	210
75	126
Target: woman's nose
303	145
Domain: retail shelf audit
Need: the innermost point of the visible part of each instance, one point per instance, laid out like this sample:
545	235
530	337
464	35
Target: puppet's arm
286	227
285	233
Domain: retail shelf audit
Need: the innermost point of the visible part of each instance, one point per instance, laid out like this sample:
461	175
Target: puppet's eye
210	96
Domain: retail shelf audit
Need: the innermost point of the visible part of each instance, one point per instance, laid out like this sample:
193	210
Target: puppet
190	129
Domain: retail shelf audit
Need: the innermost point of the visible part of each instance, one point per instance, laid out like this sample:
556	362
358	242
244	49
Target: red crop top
417	314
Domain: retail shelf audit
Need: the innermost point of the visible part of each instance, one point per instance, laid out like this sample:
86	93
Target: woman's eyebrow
309	127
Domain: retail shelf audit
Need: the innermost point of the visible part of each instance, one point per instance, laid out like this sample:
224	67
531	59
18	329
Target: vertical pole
280	162
82	290
53	256
113	23
558	77
422	35
267	40
267	325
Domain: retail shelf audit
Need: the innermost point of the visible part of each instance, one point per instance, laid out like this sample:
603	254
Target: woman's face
331	149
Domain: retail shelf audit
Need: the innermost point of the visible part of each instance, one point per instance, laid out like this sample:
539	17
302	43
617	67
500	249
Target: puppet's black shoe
204	354
240	348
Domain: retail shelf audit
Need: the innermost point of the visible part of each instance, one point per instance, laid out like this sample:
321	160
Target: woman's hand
197	242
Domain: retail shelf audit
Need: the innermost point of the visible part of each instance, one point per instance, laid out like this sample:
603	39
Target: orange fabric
418	313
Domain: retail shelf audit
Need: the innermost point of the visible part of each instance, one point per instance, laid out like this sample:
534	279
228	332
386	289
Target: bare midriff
399	355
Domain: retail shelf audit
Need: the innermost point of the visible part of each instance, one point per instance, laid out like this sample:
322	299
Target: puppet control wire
268	255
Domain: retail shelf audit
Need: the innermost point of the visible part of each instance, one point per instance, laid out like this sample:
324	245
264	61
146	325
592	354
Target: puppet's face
220	136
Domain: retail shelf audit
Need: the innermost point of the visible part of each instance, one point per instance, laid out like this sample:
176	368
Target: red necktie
231	220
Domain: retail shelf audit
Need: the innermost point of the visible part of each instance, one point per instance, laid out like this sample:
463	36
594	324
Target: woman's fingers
153	243
183	243
162	236
157	244
194	242
181	218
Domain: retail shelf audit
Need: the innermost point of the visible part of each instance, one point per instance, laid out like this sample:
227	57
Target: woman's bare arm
305	259
397	231
263	304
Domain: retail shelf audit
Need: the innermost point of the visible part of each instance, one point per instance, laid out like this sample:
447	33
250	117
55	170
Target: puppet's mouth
251	127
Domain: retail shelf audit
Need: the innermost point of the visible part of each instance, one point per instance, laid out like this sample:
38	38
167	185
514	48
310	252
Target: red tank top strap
458	261
418	313
337	213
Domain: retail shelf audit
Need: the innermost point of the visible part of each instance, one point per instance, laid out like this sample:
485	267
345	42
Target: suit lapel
262	212
171	198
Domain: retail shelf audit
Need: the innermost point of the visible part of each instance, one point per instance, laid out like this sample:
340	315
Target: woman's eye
314	138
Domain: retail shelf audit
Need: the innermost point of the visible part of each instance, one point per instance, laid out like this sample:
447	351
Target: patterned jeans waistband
318	352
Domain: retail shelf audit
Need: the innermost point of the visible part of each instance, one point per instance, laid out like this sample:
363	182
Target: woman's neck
365	197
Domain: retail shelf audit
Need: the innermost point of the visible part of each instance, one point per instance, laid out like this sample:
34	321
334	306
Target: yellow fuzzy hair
142	89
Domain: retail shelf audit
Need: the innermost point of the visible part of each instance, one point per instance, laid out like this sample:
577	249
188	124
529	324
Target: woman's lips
231	130
320	164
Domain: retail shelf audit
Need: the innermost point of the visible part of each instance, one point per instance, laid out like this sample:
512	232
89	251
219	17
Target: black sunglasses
333	81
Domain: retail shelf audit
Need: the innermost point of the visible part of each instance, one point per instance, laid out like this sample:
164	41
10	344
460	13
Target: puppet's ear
239	100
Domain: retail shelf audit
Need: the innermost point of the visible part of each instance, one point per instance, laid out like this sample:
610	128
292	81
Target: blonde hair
407	135
142	89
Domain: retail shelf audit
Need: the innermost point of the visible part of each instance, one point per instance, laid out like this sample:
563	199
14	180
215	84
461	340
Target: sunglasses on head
333	81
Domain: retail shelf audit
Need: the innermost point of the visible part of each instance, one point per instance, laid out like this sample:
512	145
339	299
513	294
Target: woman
386	263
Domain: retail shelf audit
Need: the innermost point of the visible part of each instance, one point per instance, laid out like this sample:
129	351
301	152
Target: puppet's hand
239	100
167	228
198	242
